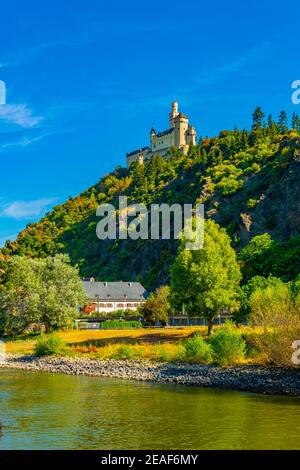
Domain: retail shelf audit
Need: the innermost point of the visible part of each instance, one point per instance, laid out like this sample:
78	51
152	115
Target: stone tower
173	114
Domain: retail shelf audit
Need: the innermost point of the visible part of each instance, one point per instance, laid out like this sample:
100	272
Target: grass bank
86	341
182	344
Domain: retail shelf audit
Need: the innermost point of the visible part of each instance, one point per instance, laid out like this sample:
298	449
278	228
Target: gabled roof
119	290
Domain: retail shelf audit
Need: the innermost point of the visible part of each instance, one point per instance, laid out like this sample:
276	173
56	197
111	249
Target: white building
107	297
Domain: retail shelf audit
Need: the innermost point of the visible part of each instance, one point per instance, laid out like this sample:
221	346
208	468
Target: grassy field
89	341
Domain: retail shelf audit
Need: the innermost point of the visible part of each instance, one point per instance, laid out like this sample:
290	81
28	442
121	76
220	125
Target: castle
180	135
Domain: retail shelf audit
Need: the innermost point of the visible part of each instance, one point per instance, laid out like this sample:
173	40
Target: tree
295	122
157	307
255	283
46	291
282	122
254	255
206	281
257	118
272	129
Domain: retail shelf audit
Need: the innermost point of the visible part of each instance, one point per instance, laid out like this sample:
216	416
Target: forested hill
249	182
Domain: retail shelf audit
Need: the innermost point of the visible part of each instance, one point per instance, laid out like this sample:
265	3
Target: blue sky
86	80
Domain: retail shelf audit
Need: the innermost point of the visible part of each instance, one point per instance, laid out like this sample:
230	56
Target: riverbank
252	378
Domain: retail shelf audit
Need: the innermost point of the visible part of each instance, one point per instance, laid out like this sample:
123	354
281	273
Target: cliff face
275	192
278	211
249	188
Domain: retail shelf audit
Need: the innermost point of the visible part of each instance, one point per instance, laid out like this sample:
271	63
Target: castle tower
181	124
173	114
191	136
152	134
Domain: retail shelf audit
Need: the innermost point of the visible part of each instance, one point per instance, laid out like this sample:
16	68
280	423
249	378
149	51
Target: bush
276	309
124	352
197	349
48	345
228	345
168	352
120	324
251	203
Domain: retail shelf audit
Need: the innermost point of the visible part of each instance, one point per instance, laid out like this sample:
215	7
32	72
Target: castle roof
168	131
129	154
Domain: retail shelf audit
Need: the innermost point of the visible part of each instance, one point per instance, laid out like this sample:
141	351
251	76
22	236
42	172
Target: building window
109	305
101	305
120	305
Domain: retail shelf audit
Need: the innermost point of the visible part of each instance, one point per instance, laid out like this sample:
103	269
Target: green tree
255	283
282	122
257	118
272	129
295	122
206	281
157	307
254	255
46	291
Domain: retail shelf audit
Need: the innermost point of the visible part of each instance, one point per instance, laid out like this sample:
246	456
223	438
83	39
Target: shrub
48	345
157	306
228	345
251	203
197	349
277	311
168	352
124	352
120	324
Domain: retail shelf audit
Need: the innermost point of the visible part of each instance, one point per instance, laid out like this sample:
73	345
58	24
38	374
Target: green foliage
45	291
276	309
257	118
196	349
264	256
124	352
120	324
206	281
157	307
48	345
251	203
228	345
254	284
253	255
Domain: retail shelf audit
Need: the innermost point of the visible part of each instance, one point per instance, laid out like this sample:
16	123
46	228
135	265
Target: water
52	411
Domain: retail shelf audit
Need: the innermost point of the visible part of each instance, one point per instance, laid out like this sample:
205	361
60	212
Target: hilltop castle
180	135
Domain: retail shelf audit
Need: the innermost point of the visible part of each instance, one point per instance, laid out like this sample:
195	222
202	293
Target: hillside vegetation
248	181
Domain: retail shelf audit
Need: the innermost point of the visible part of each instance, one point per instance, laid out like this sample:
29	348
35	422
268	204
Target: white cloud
26	209
24	142
19	114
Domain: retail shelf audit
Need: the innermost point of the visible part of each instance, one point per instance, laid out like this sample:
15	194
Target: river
53	411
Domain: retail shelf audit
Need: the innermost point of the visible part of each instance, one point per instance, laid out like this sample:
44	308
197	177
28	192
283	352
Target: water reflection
52	411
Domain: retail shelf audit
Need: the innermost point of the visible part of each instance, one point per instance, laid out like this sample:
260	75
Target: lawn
98	338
